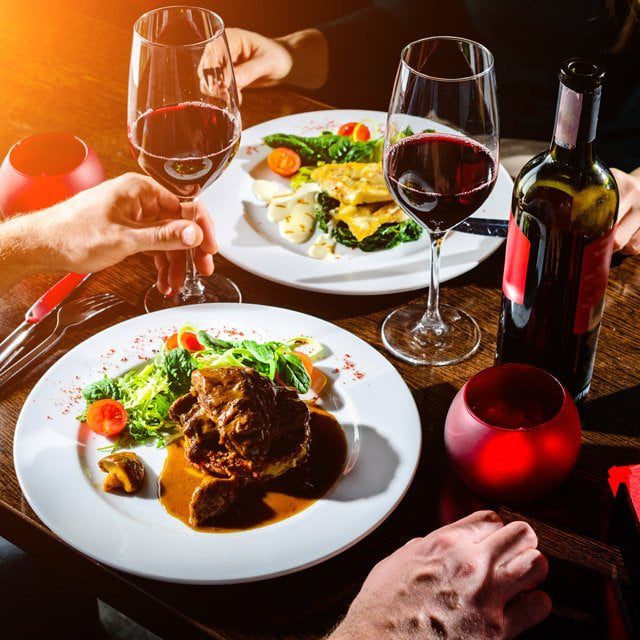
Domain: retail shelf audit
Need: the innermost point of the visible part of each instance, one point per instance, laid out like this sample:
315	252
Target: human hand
130	214
470	579
299	59
627	236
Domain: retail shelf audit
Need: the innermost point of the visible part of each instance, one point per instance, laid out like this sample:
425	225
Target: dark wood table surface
60	70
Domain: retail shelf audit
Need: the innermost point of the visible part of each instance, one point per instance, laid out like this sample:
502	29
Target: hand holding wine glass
441	163
184	133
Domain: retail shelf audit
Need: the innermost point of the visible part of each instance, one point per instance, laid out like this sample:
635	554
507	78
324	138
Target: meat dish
241	429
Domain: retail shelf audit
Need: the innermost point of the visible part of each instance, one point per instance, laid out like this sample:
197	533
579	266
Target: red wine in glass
441	179
185	147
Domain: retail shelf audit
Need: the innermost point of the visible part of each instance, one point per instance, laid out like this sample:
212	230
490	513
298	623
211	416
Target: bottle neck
575	126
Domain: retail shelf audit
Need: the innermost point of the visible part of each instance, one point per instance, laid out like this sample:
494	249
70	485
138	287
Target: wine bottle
560	241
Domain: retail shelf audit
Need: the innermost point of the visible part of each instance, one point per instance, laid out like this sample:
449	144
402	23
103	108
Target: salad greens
147	391
386	236
328	147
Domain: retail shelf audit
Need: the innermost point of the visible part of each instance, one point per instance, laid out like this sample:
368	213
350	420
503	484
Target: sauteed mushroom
124	471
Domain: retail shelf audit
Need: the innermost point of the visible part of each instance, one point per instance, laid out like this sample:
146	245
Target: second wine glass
184	122
441	163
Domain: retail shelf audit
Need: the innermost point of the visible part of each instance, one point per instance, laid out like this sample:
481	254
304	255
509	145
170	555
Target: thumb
167	235
248	72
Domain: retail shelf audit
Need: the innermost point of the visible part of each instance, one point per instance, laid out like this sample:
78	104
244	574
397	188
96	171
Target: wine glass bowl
441	164
44	169
513	433
183	121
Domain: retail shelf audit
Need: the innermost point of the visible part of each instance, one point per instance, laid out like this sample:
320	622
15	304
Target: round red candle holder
513	433
44	169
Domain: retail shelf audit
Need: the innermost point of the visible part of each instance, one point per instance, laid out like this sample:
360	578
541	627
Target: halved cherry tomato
347	129
106	417
171	342
190	341
285	162
360	133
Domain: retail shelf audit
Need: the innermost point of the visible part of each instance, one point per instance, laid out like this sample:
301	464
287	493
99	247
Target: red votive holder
513	433
44	169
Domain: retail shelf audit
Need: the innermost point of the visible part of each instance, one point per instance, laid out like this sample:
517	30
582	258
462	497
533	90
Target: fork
68	315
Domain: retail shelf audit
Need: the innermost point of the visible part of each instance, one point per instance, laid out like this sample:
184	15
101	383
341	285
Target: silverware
15	342
484	227
68	315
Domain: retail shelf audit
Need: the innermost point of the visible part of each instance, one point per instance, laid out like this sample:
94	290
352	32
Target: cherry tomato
190	341
285	162
360	133
171	342
106	417
347	129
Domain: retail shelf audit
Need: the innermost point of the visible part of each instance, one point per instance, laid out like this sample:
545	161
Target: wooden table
63	71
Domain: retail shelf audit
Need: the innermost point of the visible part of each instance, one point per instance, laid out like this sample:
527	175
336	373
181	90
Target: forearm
309	51
24	248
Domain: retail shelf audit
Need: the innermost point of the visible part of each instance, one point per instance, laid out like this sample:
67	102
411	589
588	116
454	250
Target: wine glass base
402	337
217	288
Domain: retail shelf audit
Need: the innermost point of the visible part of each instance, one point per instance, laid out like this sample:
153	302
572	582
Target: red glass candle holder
44	169
513	433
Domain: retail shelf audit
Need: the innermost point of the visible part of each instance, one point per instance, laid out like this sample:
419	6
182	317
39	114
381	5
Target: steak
239	427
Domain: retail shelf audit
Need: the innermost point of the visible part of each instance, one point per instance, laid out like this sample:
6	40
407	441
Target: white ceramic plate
248	239
56	461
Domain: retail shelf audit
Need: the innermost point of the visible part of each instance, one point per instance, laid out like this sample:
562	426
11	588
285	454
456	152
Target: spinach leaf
327	147
261	352
178	365
217	345
104	388
292	373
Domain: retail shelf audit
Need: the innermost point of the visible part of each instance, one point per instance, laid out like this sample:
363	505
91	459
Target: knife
484	227
10	346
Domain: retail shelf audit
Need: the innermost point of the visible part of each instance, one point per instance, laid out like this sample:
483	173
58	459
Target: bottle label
594	273
516	260
572	116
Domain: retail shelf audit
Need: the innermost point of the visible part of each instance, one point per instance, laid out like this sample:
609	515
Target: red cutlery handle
55	296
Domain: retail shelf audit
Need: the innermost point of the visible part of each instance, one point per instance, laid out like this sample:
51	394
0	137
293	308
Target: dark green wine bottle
560	241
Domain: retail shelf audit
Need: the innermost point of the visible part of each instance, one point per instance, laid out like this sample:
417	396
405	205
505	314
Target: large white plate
248	239
56	461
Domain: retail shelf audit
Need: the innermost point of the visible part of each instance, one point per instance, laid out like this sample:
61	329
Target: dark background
270	17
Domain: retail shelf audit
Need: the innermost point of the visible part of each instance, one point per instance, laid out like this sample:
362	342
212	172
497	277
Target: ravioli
353	183
364	220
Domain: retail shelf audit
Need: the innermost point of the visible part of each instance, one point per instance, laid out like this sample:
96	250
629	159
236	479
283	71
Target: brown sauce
262	505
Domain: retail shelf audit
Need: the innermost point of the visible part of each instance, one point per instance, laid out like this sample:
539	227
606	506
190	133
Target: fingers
162	267
205	222
168	235
632	246
478	525
629	213
177	269
523	572
525	612
511	540
203	262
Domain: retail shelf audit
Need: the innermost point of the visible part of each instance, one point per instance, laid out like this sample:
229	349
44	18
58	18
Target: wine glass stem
432	321
192	289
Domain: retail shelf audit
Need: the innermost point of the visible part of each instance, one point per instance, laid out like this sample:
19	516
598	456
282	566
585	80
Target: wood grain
68	72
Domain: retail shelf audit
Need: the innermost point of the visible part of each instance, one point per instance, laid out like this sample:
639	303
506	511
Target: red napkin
630	476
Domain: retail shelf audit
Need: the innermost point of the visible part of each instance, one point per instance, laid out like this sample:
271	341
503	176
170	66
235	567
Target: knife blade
50	300
484	227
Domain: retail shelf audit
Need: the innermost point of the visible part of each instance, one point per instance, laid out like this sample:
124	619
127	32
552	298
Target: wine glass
440	163
183	121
